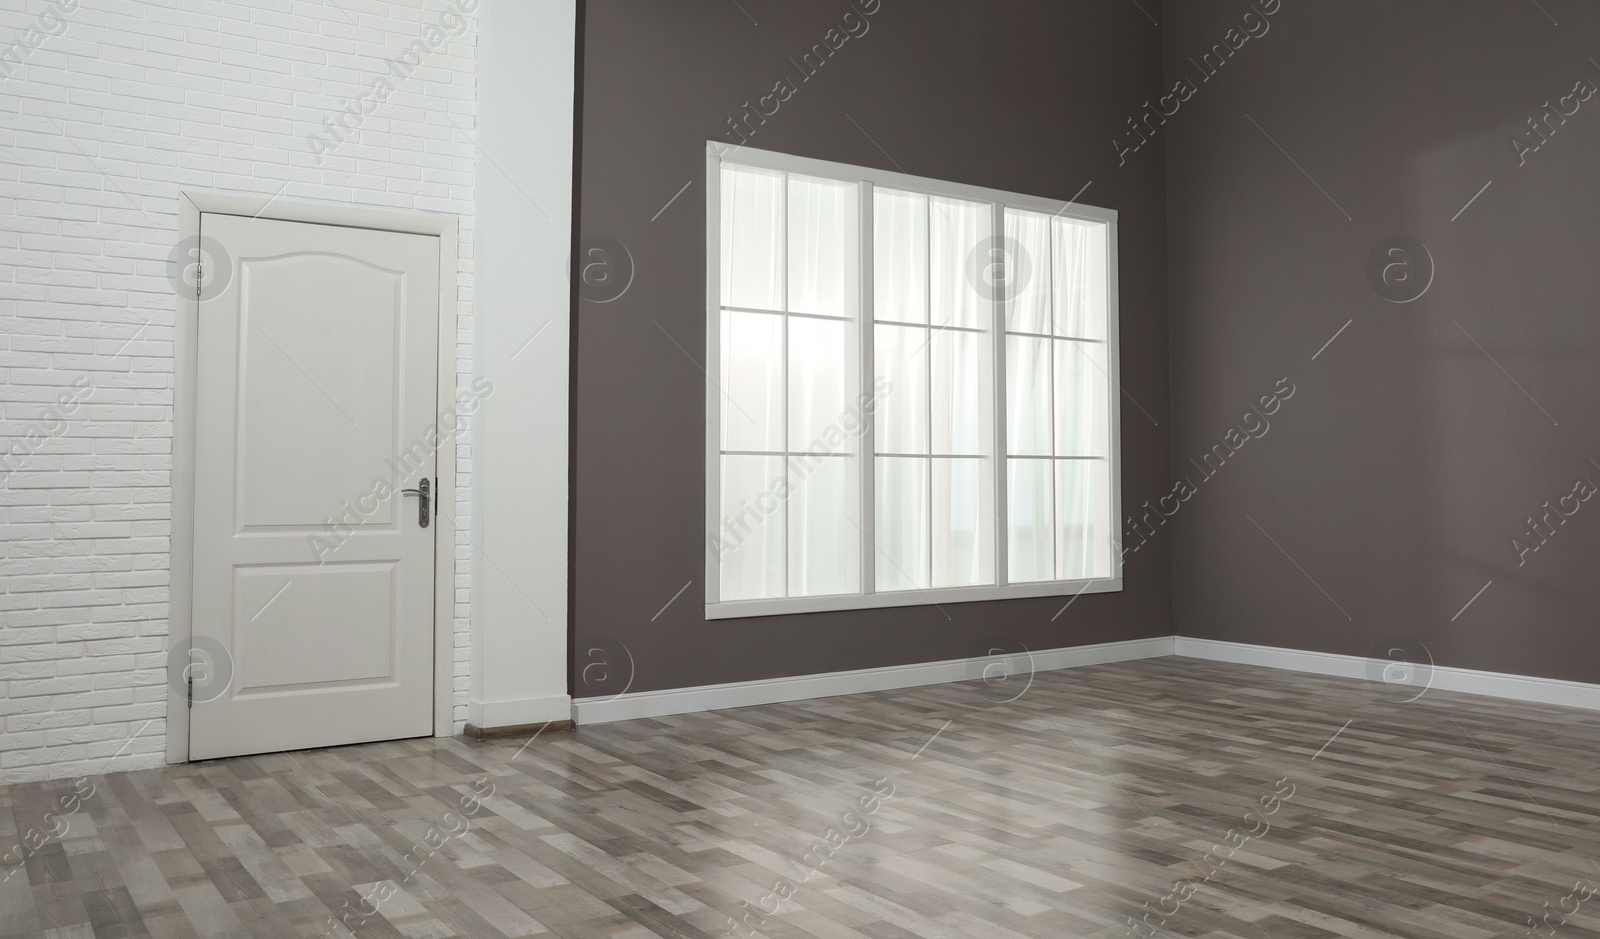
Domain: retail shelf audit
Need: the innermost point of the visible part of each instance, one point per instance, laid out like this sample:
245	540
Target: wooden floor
1189	798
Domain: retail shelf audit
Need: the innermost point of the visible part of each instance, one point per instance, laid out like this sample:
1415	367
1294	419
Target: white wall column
524	202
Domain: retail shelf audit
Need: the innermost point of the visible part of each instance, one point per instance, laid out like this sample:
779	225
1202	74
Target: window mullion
867	446
1048	271
783	391
1002	465
714	405
927	383
1112	327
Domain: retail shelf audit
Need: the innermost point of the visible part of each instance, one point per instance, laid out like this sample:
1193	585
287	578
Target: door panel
336	320
317	377
360	597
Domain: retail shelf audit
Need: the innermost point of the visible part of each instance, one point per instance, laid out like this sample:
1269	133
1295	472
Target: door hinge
189	680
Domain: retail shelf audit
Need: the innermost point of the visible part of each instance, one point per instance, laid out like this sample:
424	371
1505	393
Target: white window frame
868	178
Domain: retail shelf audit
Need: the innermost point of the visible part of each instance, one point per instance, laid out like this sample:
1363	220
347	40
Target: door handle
422	492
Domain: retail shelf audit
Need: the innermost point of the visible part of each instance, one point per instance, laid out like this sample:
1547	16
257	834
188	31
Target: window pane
1082	417
1081	270
1028	395
1083	519
963	410
900	256
1028	519
956	230
824	256
963	523
752	381
752	238
1027	271
901	420
824	547
901	524
822	370
750	541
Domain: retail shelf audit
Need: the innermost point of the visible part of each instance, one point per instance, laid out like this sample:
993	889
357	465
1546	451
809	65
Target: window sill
783	606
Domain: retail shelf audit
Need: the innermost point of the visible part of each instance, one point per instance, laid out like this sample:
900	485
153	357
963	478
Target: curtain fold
1080	262
900	256
752	238
956	231
1028	261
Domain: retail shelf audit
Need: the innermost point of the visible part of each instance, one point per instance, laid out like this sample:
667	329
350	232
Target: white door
316	399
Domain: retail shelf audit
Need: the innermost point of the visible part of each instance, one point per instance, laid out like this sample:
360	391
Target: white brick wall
111	107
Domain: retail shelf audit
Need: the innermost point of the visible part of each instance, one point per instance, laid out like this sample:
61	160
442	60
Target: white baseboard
517	712
777	690
1445	678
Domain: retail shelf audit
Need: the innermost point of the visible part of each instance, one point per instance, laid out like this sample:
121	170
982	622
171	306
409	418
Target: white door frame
185	373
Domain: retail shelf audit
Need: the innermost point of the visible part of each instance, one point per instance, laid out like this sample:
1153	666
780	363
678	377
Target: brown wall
1021	95
1417	445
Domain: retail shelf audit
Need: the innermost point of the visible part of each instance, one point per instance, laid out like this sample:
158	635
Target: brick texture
108	109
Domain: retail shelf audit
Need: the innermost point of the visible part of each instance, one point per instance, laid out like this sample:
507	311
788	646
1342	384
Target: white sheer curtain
789	379
824	257
1030	516
752	238
1081	273
962	418
1082	376
934	489
963	486
1029	392
955	232
900	256
1027	271
1057	401
1083	546
790	491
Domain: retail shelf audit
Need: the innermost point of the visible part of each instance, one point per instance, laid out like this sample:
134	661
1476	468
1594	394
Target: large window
911	390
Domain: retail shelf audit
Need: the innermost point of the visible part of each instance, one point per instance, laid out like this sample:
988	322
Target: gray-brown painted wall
1022	95
1420	441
